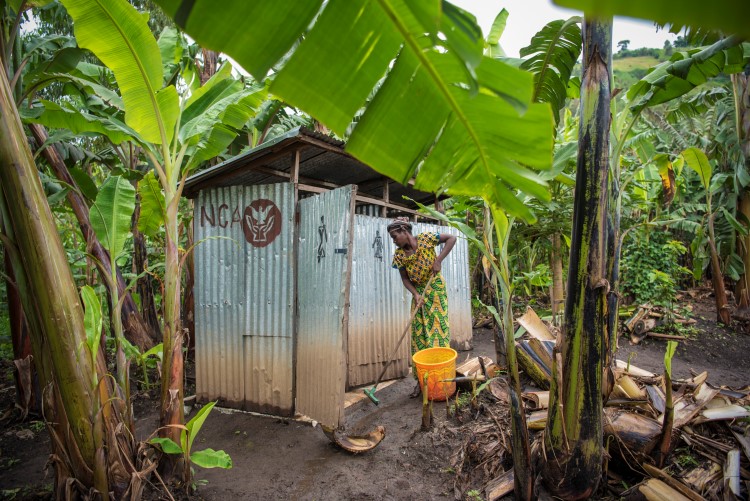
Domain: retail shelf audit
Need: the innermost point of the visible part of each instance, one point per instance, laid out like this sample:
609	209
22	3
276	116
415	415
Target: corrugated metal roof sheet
322	160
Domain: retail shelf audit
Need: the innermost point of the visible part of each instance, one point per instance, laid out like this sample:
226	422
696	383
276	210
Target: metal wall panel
324	252
379	305
455	271
244	297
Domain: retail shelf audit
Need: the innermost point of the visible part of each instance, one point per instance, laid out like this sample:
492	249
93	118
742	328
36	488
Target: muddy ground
286	459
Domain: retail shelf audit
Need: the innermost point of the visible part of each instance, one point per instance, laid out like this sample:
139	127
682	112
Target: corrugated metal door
324	264
379	305
244	297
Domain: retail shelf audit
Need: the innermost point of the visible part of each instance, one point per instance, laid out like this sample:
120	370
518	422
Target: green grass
628	64
629	70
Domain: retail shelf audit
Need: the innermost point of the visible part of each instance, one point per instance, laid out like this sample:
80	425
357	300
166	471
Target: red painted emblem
261	222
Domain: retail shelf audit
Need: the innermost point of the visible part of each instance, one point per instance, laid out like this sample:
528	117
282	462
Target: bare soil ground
285	459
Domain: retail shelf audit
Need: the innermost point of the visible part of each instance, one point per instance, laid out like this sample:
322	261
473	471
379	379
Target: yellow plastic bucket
439	364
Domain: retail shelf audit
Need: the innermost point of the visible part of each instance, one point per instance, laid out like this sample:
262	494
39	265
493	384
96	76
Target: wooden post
439	206
294	176
386	198
426	405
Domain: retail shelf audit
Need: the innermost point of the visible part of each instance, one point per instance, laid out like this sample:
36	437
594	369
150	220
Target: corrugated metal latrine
324	261
244	297
380	303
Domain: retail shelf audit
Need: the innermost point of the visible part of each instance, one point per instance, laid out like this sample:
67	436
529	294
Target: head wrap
400	223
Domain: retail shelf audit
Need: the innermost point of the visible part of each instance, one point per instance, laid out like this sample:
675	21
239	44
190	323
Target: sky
526	17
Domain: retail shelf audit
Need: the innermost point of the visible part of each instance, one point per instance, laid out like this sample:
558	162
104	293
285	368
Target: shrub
650	270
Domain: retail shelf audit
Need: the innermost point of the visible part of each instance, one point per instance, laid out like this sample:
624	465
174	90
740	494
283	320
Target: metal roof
323	164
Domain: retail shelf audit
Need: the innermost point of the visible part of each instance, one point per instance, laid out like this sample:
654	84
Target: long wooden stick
403	335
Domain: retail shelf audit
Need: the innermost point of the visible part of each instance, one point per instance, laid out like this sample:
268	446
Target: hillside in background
630	69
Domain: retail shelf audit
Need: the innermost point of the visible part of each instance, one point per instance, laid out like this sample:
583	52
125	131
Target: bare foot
415	392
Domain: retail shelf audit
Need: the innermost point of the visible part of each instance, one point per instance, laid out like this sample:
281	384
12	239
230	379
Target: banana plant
697	161
503	283
741	91
205	458
573	439
551	56
93	325
176	134
665	82
661	452
110	219
53	307
426	95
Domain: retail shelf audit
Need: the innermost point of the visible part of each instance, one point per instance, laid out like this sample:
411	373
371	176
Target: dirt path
279	459
285	459
710	347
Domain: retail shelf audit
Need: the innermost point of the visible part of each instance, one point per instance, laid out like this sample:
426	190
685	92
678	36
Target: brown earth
286	459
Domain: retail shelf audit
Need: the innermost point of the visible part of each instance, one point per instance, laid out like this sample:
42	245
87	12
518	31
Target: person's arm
449	241
409	285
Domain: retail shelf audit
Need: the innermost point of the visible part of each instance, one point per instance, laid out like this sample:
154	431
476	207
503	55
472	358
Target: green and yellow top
419	264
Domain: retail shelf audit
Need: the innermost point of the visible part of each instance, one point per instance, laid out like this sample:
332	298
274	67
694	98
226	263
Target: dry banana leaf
355	443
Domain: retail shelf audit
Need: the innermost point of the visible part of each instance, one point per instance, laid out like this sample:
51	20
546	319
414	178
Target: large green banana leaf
428	99
688	69
494	49
153	207
54	116
92	319
697	160
218	126
171	46
111	214
729	16
553	52
120	37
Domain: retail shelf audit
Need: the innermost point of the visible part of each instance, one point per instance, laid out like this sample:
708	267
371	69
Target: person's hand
418	300
436	266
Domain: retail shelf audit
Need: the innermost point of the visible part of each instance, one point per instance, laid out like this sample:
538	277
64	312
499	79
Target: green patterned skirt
430	325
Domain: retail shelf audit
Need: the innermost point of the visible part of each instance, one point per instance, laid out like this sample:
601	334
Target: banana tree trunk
210	65
188	300
743	284
573	440
717	277
48	291
523	479
556	265
741	87
27	384
137	331
144	286
172	413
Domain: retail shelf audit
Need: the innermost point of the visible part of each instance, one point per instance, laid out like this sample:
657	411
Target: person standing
417	261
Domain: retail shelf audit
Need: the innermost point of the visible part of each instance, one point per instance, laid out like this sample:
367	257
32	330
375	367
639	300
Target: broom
370	392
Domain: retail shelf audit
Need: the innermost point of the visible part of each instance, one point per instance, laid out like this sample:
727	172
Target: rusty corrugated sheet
455	271
244	297
324	252
379	305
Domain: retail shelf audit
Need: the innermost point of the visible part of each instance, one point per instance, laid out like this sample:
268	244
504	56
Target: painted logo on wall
262	222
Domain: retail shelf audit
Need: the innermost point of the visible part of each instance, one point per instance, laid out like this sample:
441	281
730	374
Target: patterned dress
430	325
